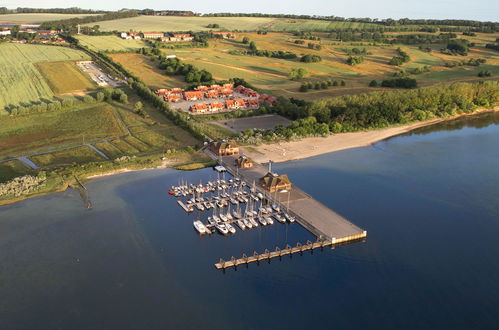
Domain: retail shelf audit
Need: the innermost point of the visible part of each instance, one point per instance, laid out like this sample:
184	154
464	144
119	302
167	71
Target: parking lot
97	75
259	122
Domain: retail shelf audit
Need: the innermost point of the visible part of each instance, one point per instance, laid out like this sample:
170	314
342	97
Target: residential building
216	106
153	35
193	95
199	108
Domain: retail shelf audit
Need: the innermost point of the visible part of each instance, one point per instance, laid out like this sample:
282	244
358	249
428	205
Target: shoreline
314	146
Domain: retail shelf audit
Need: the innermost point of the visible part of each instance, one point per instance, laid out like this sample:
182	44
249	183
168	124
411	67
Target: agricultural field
271	74
147	70
110	43
177	23
21	81
35	131
25	18
65	77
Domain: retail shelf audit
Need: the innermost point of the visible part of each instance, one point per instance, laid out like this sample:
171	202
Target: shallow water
429	201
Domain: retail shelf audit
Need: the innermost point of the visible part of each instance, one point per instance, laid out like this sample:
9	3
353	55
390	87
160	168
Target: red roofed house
193	95
226	92
183	37
199	108
153	35
249	92
271	100
213	94
161	91
252	103
176	90
240	88
172	97
230	104
215	87
201	88
239	103
216	106
229	86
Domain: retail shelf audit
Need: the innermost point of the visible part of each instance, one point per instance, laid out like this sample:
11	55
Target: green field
65	77
110	43
177	23
21	133
20	80
78	155
37	18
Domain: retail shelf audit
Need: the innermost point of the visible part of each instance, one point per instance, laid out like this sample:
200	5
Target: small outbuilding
224	148
243	162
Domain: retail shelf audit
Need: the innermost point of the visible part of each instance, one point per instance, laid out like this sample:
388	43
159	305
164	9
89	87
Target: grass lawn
20	80
65	77
110	43
109	149
82	154
147	71
93	122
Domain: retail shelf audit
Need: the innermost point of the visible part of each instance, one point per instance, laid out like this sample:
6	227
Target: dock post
222	262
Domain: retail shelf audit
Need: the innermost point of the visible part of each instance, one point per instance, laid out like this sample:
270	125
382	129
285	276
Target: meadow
110	43
49	129
21	81
65	77
147	70
271	74
177	23
25	18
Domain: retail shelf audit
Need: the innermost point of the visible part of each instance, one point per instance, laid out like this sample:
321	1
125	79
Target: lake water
429	201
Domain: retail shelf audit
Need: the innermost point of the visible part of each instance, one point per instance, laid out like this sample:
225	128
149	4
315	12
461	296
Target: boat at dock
269	220
200	227
221	227
279	218
230	228
247	223
241	224
262	221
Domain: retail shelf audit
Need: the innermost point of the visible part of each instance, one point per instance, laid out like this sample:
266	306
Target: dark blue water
429	201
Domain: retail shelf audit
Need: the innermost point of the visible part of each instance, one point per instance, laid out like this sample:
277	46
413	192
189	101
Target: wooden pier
287	250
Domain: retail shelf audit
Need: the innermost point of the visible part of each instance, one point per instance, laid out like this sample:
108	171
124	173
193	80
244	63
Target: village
214	98
171	37
29	33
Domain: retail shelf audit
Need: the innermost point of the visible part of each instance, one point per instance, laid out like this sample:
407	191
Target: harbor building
224	148
243	162
275	182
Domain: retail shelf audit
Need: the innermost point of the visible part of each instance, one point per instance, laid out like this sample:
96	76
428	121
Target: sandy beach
308	147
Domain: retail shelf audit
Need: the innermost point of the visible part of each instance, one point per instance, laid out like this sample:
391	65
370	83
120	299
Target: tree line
69	25
72	10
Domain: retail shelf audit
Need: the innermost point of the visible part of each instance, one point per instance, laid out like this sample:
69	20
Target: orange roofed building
199	108
193	95
216	106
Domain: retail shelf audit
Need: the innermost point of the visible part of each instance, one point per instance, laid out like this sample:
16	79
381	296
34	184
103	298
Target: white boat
200	227
262	210
241	224
269	209
289	218
269	220
211	221
229	217
262	221
216	219
253	222
236	215
223	217
247	223
200	206
279	218
231	228
222	228
276	207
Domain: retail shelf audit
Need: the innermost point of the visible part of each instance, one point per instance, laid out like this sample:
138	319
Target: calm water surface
429	201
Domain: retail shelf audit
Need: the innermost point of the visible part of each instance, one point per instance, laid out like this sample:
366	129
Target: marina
254	196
